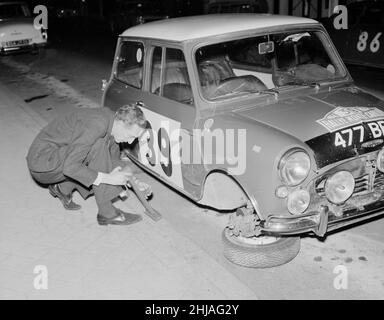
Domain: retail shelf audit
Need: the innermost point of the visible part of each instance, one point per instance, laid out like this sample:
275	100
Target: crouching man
80	151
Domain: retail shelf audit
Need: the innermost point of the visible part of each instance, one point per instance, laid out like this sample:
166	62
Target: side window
176	85
173	82
130	64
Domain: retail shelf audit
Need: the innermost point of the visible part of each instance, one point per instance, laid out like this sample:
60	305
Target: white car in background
17	31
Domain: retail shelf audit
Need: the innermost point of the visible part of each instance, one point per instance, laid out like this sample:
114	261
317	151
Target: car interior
176	85
220	74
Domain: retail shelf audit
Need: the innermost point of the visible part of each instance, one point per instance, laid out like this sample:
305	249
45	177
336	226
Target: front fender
257	157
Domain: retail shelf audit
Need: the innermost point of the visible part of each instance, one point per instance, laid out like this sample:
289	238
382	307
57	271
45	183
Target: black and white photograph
200	153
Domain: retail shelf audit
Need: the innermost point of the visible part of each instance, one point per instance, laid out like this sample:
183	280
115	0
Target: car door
169	107
156	76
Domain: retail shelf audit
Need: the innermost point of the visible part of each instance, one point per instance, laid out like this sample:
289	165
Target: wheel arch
223	191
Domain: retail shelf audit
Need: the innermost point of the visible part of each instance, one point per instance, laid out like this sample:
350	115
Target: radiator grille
379	180
361	185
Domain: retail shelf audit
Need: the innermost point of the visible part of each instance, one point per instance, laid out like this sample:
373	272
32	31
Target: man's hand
127	169
117	177
143	187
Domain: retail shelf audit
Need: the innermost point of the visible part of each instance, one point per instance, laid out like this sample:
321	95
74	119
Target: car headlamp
339	187
298	201
380	160
294	167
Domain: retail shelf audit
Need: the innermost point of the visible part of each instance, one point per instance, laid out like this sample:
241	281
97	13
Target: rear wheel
259	252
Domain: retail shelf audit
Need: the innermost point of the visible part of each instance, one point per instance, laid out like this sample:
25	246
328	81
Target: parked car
363	42
255	115
127	14
17	31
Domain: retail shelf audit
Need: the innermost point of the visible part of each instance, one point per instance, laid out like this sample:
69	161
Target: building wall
311	8
295	7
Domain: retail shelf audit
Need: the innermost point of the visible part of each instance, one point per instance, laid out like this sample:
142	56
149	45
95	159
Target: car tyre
268	255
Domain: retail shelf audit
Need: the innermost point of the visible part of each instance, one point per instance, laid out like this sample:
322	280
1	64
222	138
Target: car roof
194	27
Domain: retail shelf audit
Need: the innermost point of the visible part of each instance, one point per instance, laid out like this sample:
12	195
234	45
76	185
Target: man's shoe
66	200
122	218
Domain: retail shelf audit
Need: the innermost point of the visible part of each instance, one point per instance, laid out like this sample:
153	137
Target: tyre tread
262	256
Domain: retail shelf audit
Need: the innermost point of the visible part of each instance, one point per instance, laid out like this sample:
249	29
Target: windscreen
256	64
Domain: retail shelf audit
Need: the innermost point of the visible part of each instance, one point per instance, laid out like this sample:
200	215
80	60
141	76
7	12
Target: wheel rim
253	241
257	241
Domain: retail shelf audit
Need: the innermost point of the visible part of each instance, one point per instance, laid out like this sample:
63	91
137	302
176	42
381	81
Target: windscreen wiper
312	84
272	91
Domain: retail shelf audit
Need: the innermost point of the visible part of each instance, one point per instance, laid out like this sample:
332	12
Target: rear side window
170	79
130	64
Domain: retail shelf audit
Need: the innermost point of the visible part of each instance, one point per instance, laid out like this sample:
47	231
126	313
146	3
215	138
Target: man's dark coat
76	145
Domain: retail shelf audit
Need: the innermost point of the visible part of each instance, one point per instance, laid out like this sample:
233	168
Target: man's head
129	123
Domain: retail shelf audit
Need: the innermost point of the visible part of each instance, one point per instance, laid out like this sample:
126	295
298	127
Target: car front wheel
259	252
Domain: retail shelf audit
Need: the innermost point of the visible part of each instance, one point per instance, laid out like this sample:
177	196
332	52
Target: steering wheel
208	62
247	83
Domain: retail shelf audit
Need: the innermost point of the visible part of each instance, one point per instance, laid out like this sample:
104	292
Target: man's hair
131	114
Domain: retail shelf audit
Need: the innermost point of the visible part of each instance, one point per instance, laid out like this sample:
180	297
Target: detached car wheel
261	252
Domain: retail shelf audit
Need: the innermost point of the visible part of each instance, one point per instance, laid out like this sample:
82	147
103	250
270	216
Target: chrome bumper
319	222
23	48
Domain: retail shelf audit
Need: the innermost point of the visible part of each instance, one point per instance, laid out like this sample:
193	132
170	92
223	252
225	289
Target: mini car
17	31
362	42
257	117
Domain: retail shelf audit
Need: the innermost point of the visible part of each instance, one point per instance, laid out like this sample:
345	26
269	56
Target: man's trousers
103	157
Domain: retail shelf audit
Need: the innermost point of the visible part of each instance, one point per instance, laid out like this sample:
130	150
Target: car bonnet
316	119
